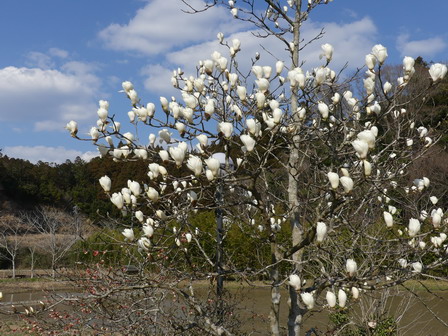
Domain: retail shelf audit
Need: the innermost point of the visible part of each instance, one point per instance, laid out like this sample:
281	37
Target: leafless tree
57	230
313	172
11	231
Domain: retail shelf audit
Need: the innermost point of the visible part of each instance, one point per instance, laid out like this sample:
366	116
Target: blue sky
59	57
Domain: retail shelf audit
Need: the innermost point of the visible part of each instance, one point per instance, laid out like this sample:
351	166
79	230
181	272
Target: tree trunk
53	266
13	260
32	263
274	315
295	312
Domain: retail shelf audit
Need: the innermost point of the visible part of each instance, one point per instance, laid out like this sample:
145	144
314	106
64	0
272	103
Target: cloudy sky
59	57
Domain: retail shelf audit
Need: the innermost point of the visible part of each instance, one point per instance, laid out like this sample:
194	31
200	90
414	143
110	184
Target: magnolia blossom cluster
246	120
308	297
129	198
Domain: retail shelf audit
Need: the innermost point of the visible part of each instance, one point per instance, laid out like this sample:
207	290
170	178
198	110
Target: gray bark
295	311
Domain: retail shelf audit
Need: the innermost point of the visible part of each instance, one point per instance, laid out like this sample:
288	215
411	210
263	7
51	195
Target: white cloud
47	154
58	52
39	60
45	60
48	97
351	41
162	25
428	48
158	79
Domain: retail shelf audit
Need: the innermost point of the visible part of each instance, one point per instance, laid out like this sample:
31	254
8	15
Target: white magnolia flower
367	167
388	219
436	241
334	180
152	194
144	243
257	71
367	136
72	127
361	147
321	231
134	187
161	214
380	52
148	230
180	128
164	155
209	108
105	183
351	267
436	219
117	200
225	128
321	75
370	61
178	155
133	96
203	139
434	200
347	183
336	98
277	115
248	142
295	282
213	164
220	37
128	137
417	266
279	67
236	44
323	109
267	71
165	135
263	85
131	115
327	51
192	196
128	234
369	85
208	66
408	64
194	163
402	262
331	299
139	215
233	79
437	71
414	227
308	300
94	134
355	292
387	87
342	298
165	104
241	91
222	63
127	86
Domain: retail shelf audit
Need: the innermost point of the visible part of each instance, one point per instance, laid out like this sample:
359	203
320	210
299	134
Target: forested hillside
25	185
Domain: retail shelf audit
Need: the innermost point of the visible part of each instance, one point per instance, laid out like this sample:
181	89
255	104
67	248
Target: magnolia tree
300	155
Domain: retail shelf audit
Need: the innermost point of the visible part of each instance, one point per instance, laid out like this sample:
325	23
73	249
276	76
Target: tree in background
58	231
11	240
312	172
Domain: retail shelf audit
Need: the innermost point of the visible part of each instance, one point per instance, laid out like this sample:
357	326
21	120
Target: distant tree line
26	185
